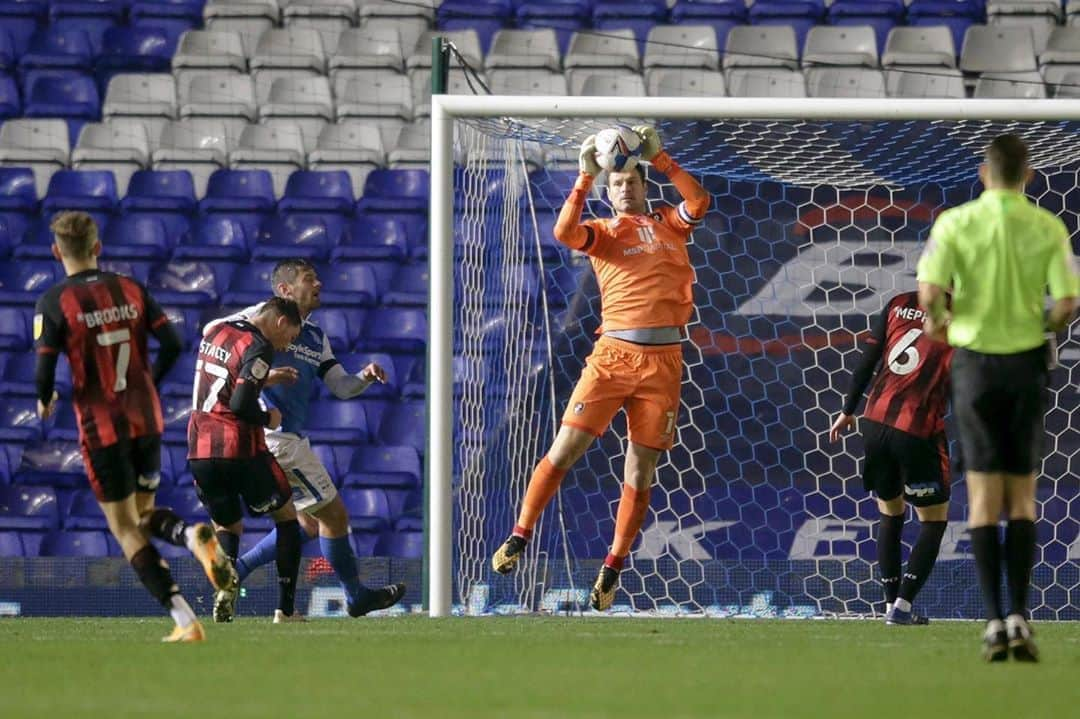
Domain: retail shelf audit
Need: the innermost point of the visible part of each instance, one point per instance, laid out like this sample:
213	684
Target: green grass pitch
524	667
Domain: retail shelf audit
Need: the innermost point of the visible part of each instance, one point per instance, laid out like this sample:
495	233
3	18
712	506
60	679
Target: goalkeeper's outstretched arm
568	228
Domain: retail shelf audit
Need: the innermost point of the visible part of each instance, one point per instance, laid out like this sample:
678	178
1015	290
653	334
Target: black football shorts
899	463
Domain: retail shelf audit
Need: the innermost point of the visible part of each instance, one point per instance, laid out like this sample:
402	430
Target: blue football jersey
312	357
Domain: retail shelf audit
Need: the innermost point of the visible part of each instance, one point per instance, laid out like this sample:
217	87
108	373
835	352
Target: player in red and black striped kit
907	459
102	321
226	445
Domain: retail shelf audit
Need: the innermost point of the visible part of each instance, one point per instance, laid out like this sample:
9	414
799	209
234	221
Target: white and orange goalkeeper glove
650	141
587	158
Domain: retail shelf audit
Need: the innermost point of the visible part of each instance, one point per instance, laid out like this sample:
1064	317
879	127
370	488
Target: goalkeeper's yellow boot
506	556
219	569
603	592
191	633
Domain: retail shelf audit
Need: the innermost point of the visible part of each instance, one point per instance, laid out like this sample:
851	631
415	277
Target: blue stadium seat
173	16
7	241
190	284
384	271
10	106
22	19
292	236
14	332
374	237
52	48
801	15
405	545
87	190
161	191
175	411
96	17
74	99
637	16
7	52
138	269
187	324
54	463
177	382
409	287
136	237
395	329
328	458
396	191
404	424
565	18
239	191
26	507
182	500
882	15
484	18
36	243
17	190
348	284
389	466
338	421
75	544
133	49
23	282
11	544
315	191
368	509
363	543
7	451
464	370
340	327
84	512
250	285
356	362
174	465
411	515
214	237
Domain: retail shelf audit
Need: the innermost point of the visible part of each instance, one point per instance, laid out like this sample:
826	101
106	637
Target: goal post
825	204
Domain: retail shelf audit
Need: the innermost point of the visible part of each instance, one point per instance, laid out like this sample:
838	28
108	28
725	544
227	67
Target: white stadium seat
524	49
527	82
467	43
329	18
613	49
841	45
1025	85
844	82
369	93
931	81
207	49
365	49
306	101
220	95
413	148
692	46
992	48
765	82
353	146
931	45
761	46
666	82
278	149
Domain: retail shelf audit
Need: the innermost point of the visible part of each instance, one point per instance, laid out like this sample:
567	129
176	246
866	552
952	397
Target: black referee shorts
225	486
1000	404
898	463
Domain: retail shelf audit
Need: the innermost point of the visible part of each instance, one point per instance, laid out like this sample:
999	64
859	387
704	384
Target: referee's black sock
1019	557
890	529
923	556
984	542
288	563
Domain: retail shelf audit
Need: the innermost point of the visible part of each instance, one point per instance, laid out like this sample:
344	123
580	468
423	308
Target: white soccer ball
618	149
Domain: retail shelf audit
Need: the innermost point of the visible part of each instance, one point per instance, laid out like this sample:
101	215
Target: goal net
814	224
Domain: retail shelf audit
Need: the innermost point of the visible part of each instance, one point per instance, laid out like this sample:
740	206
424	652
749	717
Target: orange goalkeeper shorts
642	378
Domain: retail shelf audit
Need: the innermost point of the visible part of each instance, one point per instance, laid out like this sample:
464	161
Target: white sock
181	612
189	538
903	605
888	607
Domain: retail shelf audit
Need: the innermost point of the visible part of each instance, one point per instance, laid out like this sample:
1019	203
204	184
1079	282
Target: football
618	149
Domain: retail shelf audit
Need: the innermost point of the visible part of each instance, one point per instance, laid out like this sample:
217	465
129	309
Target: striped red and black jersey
911	388
102	321
230	354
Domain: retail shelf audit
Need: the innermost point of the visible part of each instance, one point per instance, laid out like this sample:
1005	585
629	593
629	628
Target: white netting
813	226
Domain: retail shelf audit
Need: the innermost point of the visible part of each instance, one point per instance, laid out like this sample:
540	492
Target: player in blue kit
319	507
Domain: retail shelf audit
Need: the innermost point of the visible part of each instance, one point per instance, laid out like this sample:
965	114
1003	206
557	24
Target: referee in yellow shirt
1000	254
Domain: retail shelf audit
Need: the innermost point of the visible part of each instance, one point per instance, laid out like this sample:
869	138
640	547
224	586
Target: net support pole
440	411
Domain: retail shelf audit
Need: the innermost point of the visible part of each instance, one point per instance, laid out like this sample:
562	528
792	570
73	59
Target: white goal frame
446	108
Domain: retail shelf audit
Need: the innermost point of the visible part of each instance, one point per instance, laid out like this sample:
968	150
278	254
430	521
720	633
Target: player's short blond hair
75	233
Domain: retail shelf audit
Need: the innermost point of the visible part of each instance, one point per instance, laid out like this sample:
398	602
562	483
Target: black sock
890	528
288	563
985	544
165	524
1019	557
154	573
229	543
923	556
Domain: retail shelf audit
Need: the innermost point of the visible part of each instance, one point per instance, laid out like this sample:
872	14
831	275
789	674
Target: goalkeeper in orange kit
645	278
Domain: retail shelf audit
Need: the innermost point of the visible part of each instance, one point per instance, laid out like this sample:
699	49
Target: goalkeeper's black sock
987	549
890	529
1019	556
923	556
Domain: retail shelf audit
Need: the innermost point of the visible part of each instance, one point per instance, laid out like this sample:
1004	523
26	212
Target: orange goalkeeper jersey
640	261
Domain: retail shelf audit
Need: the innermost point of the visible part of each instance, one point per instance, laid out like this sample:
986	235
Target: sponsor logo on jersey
307	354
